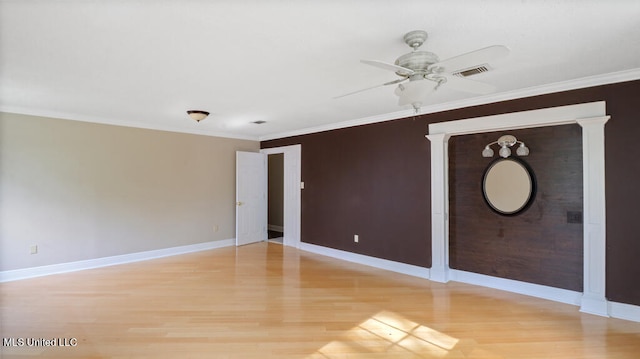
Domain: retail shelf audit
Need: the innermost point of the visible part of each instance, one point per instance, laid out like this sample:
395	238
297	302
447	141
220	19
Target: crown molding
135	124
342	124
585	82
591	81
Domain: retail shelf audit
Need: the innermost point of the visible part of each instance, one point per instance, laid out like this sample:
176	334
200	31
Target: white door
251	197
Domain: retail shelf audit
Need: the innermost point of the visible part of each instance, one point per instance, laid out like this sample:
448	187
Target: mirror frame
532	192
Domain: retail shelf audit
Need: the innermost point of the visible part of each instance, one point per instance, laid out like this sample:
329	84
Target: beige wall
82	191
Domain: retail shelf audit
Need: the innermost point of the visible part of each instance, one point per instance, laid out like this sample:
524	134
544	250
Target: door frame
292	191
592	118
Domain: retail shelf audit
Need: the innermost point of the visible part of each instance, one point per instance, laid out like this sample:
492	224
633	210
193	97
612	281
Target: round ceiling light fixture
198	115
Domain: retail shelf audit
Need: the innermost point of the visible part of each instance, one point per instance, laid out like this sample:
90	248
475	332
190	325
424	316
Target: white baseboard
624	311
616	310
385	264
514	286
273	227
17	274
596	305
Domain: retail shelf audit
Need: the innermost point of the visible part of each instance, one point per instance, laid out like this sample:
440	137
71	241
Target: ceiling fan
418	65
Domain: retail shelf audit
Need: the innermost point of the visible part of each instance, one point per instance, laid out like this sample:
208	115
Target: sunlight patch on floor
387	332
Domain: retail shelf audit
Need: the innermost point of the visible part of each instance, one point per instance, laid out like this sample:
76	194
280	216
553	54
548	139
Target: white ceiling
144	63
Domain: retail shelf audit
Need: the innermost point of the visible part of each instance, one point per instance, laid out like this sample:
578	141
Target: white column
593	297
439	207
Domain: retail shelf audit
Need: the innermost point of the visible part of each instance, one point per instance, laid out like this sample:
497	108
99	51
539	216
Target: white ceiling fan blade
371	88
387	66
462	84
470	59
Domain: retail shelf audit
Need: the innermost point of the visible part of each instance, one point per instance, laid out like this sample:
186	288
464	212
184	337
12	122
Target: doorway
275	197
291	194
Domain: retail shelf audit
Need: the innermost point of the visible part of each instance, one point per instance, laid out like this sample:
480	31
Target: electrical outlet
33	249
356	238
216	228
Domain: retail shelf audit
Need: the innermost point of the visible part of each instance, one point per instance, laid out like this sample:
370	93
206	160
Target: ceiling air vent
473	71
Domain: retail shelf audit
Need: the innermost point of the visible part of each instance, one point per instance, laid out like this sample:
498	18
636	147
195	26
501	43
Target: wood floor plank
269	301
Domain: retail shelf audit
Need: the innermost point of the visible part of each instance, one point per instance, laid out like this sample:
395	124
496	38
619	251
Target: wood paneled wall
536	246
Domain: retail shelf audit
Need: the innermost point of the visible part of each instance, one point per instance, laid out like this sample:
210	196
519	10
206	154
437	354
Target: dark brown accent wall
374	180
537	245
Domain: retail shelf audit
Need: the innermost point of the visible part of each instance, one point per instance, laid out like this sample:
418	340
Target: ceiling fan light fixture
198	115
414	93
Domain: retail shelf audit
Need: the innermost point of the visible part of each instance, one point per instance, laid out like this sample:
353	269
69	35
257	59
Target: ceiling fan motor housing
418	61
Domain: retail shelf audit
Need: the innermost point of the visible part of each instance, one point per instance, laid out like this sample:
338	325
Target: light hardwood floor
269	301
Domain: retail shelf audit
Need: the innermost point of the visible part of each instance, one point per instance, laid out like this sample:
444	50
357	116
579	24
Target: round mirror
508	186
